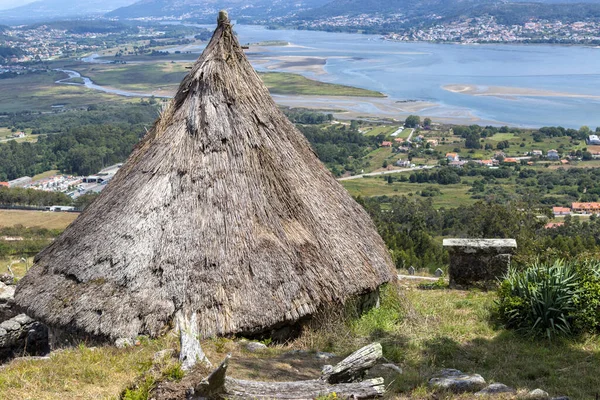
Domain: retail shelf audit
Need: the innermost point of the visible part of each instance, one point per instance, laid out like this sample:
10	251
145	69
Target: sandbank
507	92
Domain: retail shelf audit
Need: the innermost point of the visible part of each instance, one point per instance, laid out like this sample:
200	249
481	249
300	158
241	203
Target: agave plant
540	299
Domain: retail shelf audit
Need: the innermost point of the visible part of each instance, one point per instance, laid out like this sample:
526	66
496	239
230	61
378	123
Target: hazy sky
4	4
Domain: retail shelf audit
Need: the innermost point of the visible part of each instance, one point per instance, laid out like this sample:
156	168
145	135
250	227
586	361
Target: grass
19	269
79	373
378	156
382	130
452	195
46	174
38	92
422	331
42	219
292	84
428	330
163	77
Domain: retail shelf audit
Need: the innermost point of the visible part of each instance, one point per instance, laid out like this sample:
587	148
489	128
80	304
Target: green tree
412	121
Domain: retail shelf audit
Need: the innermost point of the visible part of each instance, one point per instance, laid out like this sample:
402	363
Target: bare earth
508	92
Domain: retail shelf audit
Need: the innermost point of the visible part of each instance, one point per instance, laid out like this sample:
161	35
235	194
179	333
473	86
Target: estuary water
519	85
420	71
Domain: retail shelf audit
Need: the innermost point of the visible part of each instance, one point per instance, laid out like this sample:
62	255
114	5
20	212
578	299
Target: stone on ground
457	381
254	347
495	388
538	394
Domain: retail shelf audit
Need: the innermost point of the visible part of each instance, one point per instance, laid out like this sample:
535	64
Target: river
522	85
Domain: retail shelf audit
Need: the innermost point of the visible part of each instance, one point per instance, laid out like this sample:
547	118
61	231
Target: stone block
478	262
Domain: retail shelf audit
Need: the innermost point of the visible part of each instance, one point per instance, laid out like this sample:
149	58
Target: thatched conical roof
222	209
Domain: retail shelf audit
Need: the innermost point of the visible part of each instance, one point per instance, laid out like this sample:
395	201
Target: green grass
452	195
405	133
425	331
38	92
378	156
382	130
163	77
292	84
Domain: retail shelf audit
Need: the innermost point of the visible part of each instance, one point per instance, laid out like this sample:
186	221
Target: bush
558	299
587	315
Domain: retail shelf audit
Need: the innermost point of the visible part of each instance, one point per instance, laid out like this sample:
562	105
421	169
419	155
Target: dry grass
42	219
79	373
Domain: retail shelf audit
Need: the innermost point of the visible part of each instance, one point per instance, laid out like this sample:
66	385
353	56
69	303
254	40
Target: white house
553	155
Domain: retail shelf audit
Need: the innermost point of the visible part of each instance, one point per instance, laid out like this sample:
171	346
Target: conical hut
222	210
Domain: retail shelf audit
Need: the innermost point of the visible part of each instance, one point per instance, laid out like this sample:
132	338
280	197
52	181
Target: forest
411	228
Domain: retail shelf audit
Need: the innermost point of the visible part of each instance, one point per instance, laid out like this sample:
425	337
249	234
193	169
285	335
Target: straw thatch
223	209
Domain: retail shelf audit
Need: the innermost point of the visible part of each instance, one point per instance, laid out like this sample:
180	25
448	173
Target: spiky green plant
541	299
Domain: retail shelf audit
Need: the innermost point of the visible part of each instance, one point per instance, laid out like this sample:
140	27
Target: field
42	219
452	195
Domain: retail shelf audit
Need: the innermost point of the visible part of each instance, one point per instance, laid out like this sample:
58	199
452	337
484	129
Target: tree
472	141
427	122
412	121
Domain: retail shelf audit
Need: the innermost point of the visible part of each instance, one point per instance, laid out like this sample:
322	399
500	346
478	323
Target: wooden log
353	367
242	389
218	385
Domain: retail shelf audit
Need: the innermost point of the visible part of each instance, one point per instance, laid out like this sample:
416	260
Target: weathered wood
191	352
241	389
344	375
215	384
353	367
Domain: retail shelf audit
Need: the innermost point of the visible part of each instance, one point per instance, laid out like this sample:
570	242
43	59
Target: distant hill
59	9
206	10
511	11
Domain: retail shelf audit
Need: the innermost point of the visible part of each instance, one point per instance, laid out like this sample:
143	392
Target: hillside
205	10
52	9
414	11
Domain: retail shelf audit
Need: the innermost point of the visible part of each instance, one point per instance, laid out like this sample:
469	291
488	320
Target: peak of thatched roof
222	209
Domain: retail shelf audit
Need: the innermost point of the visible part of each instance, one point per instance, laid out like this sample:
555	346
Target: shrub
539	300
557	299
587	315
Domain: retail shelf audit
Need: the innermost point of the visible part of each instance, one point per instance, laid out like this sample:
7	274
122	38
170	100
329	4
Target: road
395	171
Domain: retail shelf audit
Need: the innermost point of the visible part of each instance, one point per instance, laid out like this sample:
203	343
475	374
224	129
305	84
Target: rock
411	270
7	306
560	398
255	347
23	319
495	388
456	381
6	292
22	334
121	343
7	279
439	273
537	394
161	355
11	325
321	355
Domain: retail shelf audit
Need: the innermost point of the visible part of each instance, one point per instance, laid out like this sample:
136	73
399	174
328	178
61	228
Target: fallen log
341	379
